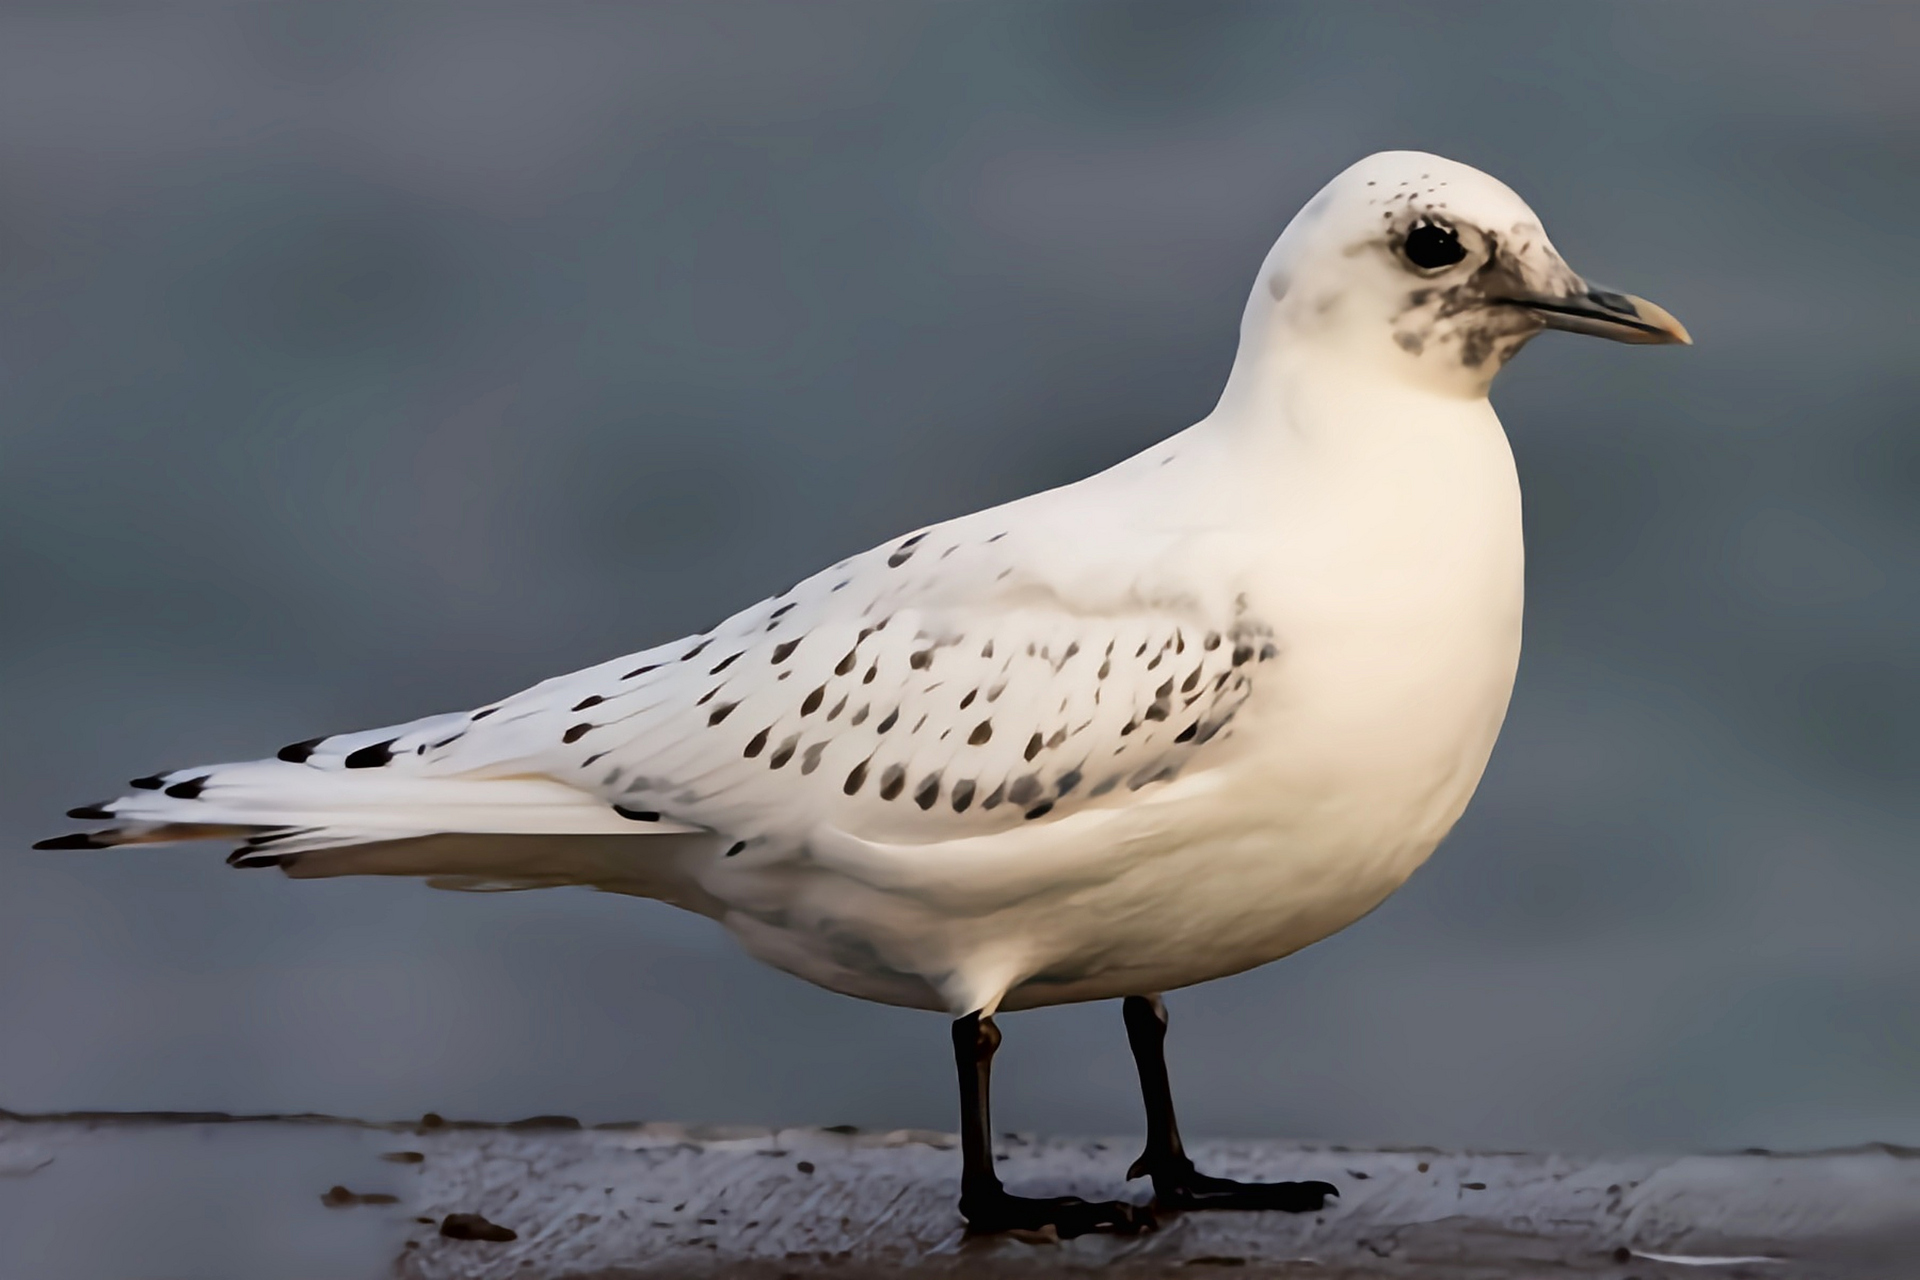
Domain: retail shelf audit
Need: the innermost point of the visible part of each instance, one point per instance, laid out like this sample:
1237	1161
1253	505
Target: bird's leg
1176	1183
984	1203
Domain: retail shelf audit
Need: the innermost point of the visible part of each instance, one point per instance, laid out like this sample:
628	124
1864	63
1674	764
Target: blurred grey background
358	363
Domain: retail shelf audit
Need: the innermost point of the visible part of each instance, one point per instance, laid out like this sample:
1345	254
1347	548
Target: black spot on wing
572	735
783	752
892	782
79	840
756	744
904	552
298	752
784	650
91	813
982	732
371	757
636	815
591	700
153	783
720	713
188	790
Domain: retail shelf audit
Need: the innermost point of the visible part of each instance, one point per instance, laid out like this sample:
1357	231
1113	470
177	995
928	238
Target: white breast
1396	585
1389	564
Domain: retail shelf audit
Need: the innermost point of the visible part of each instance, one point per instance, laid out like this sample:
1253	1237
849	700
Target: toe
1219	1193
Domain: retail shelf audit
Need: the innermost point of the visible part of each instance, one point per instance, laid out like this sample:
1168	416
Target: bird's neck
1290	399
1289	342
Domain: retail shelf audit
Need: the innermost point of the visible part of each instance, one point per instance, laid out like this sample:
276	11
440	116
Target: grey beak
1605	314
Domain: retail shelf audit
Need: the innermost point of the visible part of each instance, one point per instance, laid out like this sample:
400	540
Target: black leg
1176	1183
984	1203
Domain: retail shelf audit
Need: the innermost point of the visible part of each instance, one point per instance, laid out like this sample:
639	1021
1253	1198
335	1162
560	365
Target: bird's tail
358	789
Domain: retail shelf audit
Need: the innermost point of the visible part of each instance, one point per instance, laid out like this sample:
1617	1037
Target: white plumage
1178	719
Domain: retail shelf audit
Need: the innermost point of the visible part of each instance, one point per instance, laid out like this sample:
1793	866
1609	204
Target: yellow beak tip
1664	320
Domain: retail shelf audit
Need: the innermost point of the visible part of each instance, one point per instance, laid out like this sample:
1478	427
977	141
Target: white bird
1178	719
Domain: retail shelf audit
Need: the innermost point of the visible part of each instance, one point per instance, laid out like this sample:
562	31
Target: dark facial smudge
1467	312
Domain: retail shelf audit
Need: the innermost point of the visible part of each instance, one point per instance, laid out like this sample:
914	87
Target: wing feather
911	704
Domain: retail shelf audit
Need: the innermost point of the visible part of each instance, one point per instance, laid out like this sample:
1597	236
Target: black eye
1431	246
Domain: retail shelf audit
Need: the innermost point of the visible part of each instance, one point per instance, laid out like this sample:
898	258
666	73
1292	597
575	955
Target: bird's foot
1177	1185
1061	1217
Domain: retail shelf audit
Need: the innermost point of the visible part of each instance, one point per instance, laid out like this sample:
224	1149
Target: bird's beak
1605	314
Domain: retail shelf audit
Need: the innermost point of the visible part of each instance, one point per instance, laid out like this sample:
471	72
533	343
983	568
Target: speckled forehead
1393	205
1422	190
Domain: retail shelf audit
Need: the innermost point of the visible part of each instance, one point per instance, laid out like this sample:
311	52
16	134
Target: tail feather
350	789
657	867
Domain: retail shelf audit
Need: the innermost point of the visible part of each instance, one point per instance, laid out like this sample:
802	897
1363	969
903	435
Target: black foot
1062	1216
1181	1186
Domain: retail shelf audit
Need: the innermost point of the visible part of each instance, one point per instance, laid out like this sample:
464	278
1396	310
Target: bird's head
1434	271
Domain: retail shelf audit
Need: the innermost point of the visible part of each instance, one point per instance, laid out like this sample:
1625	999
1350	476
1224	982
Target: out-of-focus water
362	363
